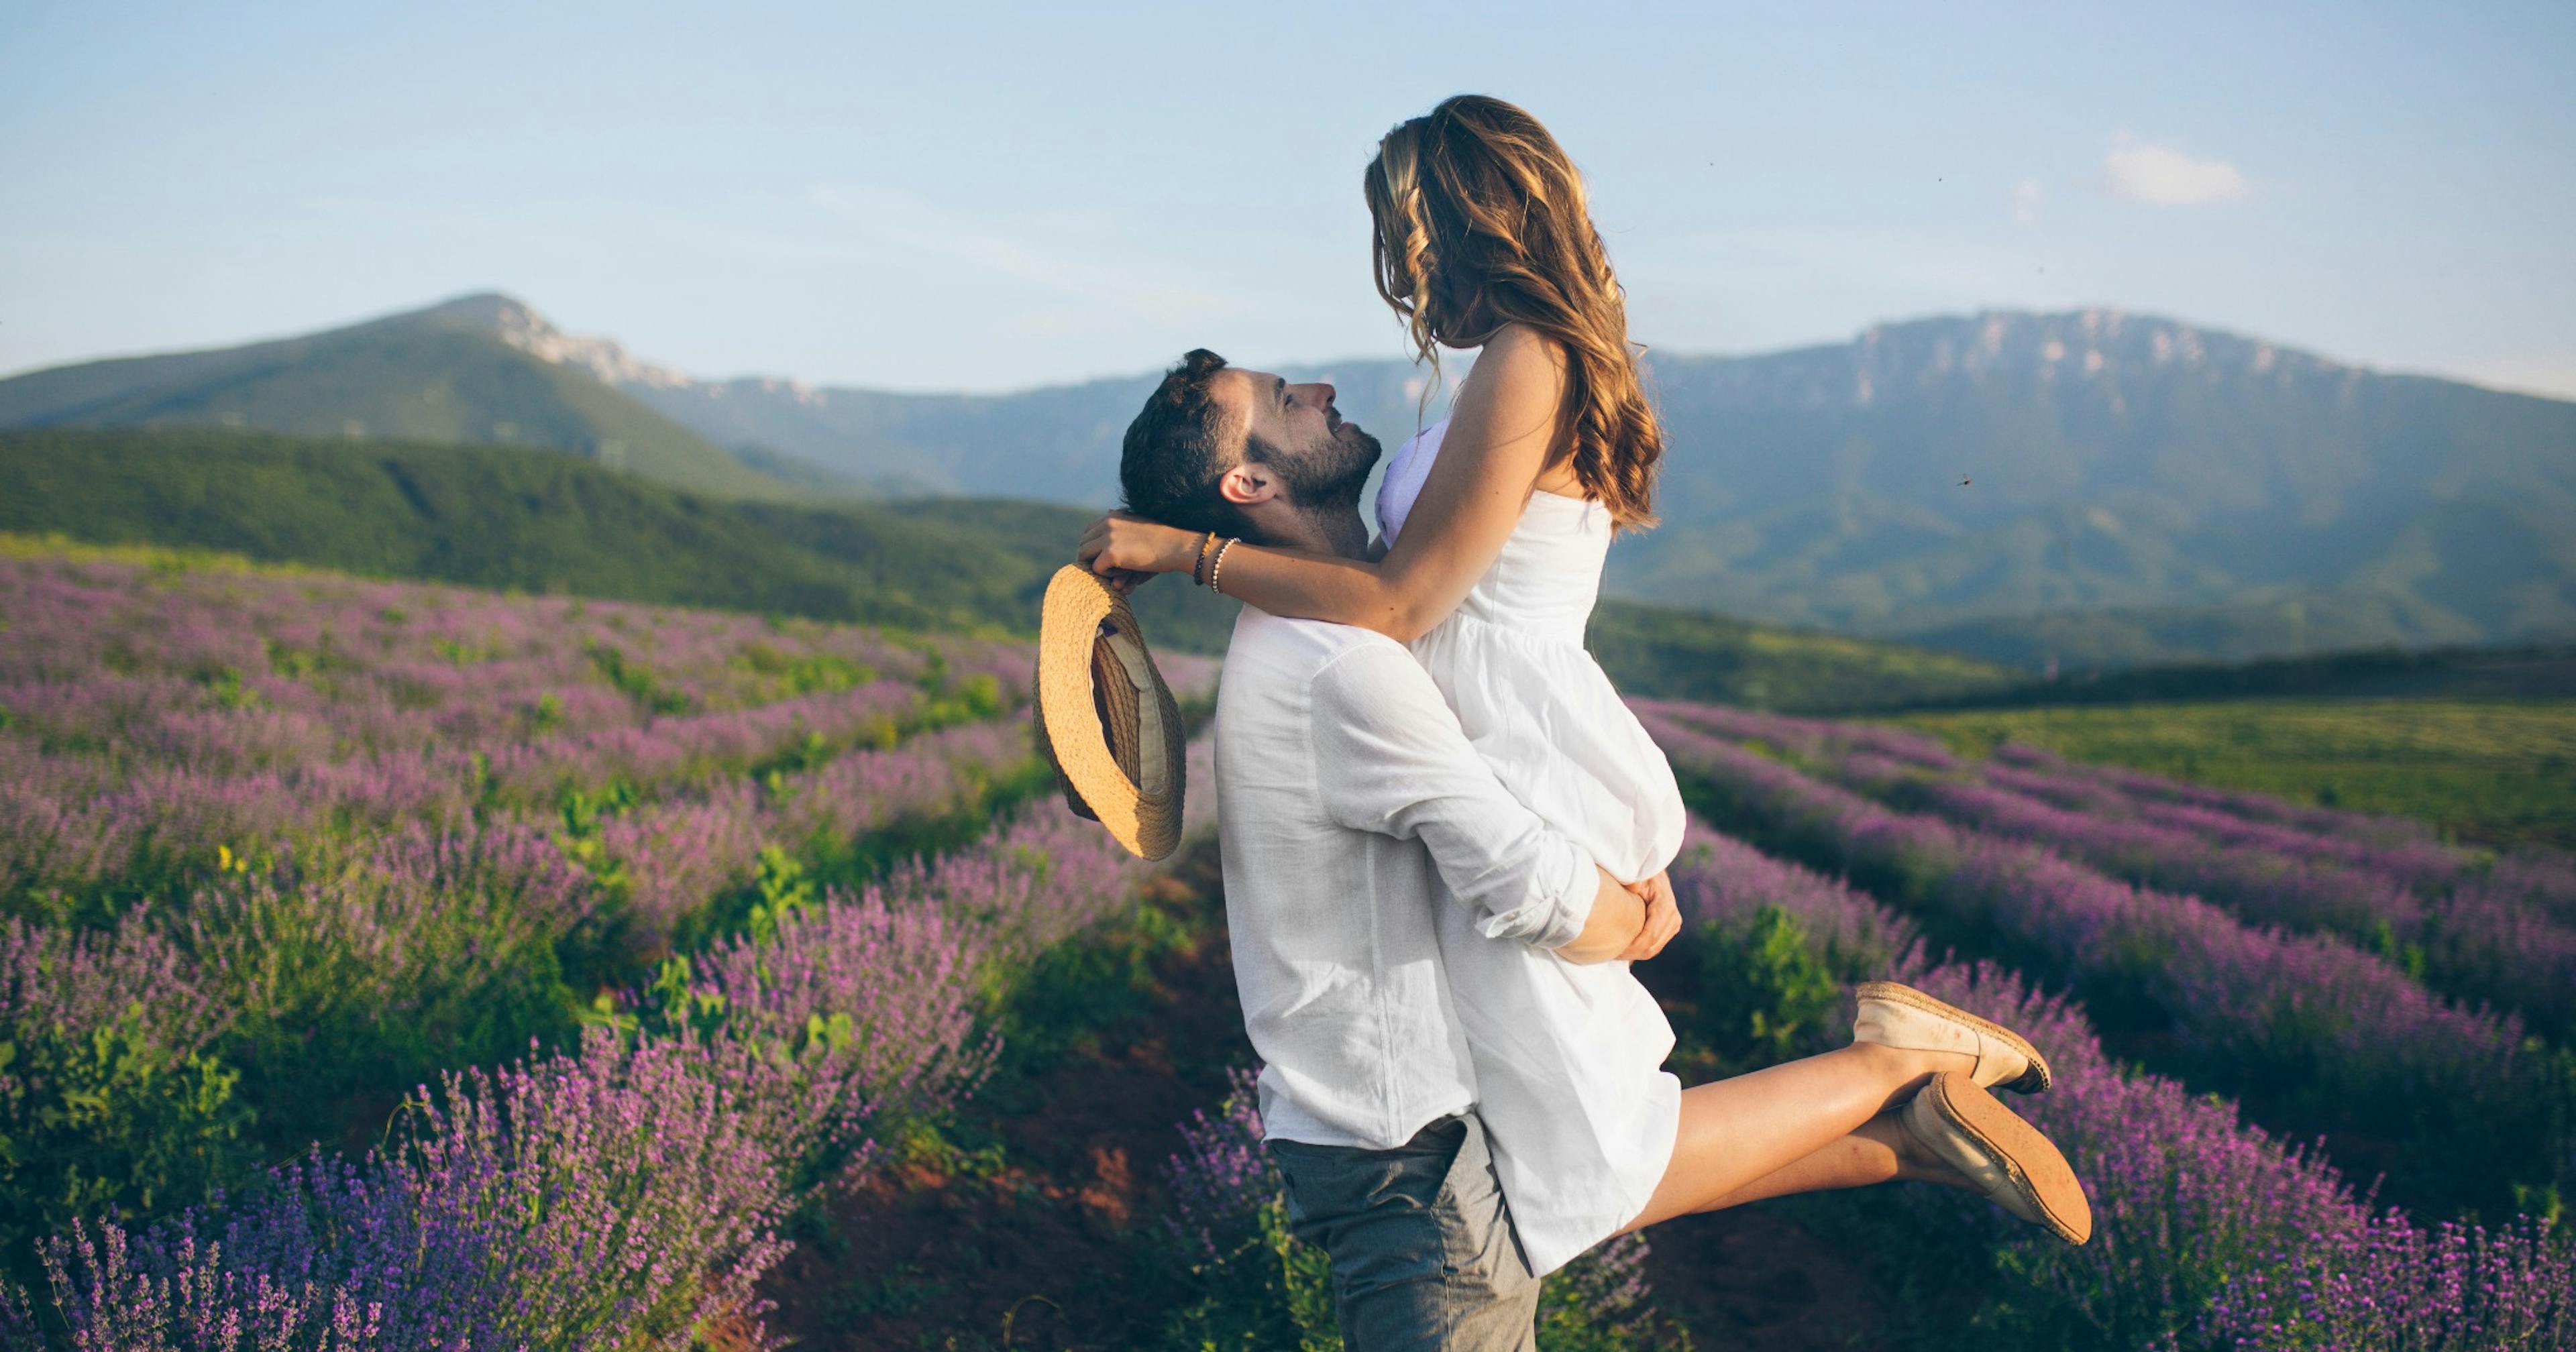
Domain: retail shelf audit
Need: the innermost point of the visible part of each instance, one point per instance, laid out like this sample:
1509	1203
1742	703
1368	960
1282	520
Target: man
1349	807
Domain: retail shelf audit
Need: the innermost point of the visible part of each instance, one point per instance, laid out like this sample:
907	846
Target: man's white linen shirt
1342	781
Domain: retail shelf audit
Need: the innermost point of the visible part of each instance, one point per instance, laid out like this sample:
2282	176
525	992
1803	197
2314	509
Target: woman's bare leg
1882	1151
1802	1121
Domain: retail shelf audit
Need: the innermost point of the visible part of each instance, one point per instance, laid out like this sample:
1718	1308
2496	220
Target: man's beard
1329	477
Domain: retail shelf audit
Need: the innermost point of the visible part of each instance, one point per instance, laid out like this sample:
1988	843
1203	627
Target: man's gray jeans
1421	1243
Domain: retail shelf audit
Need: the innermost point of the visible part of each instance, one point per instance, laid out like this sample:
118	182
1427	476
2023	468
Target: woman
1494	525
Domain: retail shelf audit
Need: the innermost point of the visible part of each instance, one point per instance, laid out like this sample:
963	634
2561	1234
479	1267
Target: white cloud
2026	198
2143	172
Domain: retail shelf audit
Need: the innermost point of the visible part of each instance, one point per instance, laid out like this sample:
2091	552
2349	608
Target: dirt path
1026	1242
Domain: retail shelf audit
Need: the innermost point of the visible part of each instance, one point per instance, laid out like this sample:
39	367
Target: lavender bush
627	1192
113	1100
2391	1284
625	1196
610	1198
2316	1034
2207	1232
157	716
2500	931
324	1255
836	1016
2369	844
334	837
2138	786
354	973
2480	943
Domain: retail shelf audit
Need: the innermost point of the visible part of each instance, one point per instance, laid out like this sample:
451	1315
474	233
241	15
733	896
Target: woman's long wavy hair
1481	219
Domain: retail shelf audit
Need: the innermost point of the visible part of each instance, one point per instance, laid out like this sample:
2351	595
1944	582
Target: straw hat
1105	719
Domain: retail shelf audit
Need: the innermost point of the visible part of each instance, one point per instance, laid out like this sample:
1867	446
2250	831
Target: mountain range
477	370
2086	489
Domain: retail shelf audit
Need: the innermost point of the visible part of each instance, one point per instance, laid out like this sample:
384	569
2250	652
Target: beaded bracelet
1218	566
1198	566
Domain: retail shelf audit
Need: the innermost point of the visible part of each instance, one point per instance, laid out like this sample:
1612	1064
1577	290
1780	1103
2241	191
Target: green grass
2486	771
1680	654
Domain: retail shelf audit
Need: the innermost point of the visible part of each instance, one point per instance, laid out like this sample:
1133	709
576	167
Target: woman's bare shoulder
1519	364
1516	343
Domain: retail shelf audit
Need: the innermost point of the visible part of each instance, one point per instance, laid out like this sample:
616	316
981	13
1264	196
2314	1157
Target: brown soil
1037	1249
1756	1278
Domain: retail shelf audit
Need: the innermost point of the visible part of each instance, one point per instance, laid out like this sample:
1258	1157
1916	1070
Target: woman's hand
1128	549
1663	918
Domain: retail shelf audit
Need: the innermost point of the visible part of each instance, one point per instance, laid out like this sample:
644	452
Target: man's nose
1319	392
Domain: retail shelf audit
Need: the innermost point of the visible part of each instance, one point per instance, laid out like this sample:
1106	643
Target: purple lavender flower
859	1009
2331	1038
2392	1284
2193	1210
113	1098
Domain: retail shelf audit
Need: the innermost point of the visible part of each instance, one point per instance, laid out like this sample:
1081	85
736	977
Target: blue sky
989	197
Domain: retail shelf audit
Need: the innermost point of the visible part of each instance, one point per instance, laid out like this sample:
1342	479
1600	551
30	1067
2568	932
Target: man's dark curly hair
1175	453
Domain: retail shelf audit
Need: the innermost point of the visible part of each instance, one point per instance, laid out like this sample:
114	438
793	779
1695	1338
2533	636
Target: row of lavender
431	888
351	969
153	717
2461	1108
2479	928
2209	1233
293	866
626	1192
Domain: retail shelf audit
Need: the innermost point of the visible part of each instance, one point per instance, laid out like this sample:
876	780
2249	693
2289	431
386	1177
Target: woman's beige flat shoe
1897	1015
2020	1169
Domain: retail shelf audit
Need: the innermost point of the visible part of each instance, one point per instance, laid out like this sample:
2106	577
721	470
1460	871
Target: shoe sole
2030	1081
2037	1168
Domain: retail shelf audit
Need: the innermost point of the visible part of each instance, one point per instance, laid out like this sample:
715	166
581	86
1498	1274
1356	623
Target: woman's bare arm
1490	460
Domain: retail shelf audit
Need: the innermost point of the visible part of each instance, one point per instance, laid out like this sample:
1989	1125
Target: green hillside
1679	654
440	375
495	516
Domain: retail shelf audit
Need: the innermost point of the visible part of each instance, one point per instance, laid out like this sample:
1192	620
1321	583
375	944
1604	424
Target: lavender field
399	966
2270	1023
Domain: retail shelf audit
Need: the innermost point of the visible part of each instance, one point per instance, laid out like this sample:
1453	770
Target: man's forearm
1617	915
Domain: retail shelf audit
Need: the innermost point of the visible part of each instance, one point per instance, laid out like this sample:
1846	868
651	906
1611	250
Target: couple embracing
1445	836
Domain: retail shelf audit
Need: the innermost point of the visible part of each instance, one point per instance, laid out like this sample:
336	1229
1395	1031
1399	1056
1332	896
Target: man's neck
1338	531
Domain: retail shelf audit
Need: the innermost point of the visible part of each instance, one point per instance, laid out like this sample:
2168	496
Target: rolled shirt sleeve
1391	759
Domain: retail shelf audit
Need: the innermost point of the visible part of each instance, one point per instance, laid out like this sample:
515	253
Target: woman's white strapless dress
1568	1057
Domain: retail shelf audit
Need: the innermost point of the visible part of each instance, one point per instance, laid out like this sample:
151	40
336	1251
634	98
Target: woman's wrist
1180	551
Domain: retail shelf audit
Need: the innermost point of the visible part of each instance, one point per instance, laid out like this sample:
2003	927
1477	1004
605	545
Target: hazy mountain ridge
2092	487
1058	443
2095	487
1951	475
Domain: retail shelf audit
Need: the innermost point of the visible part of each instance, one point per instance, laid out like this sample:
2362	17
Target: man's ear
1249	484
